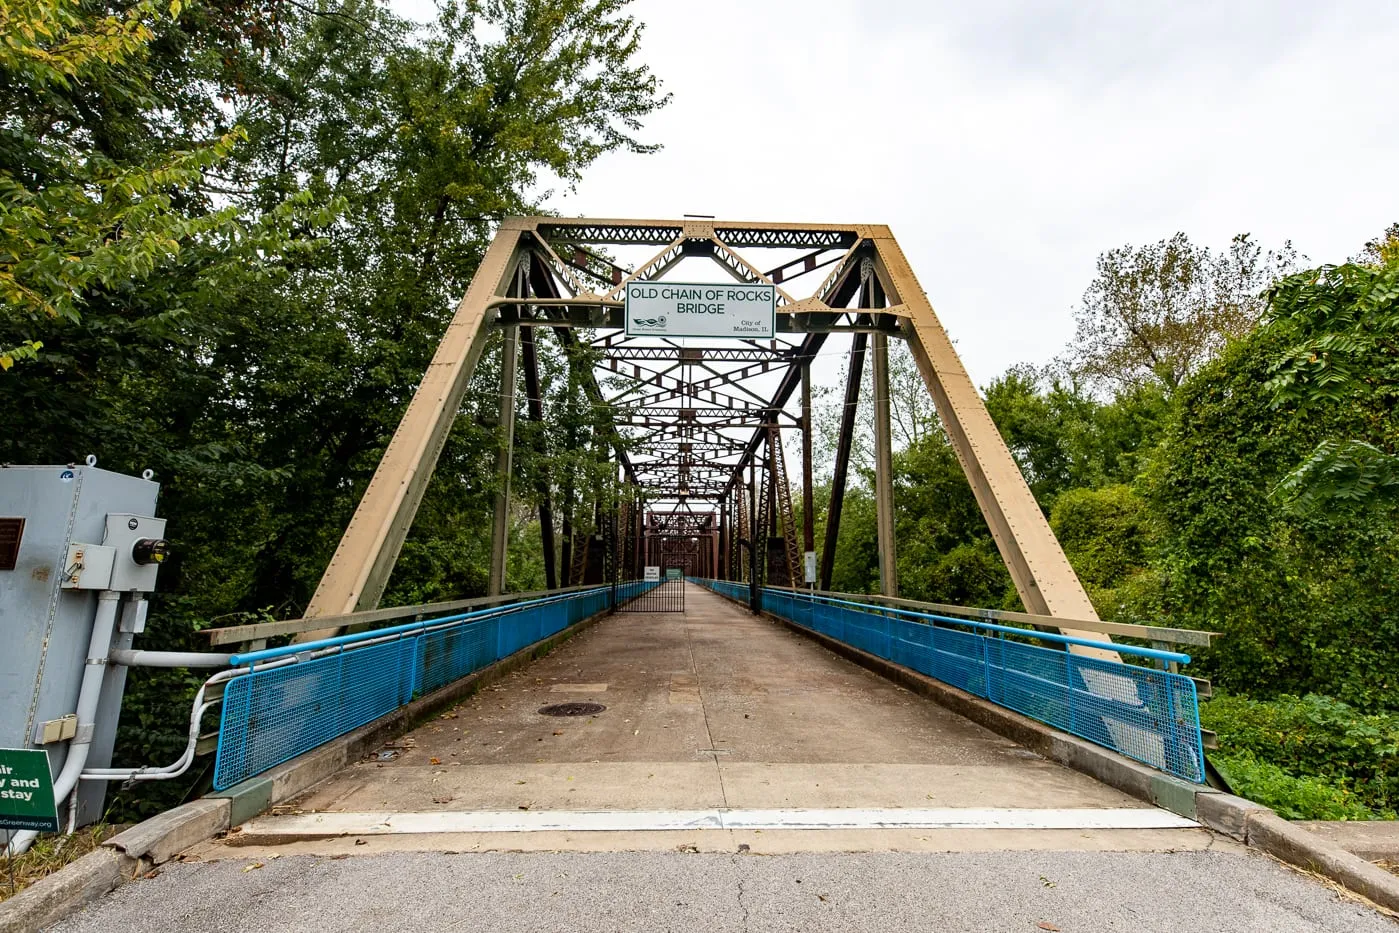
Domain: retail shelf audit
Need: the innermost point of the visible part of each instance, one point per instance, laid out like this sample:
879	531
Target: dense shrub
1304	600
1294	798
1356	754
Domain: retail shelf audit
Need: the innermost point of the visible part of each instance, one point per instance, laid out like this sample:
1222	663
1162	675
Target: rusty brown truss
695	421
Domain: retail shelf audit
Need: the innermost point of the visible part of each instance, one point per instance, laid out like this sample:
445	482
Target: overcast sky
1009	142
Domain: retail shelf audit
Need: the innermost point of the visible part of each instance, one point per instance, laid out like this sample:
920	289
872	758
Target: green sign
672	573
26	791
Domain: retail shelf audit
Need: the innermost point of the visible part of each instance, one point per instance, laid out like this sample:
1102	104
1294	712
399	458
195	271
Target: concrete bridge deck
712	708
715	710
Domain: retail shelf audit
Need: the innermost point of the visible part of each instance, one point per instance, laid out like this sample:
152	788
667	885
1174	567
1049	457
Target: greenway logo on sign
700	309
26	791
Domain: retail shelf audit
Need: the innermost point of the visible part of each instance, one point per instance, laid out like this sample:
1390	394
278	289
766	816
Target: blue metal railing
296	698
1143	713
735	591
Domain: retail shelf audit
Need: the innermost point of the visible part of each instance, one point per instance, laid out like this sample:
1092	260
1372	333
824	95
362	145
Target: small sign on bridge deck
700	309
26	791
653	575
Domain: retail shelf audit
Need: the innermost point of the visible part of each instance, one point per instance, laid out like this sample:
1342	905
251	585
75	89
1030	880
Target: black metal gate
664	595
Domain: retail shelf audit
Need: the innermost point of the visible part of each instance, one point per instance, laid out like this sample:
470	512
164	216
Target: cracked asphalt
430	892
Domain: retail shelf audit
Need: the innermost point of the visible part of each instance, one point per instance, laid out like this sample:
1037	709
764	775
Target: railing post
985	667
1069	687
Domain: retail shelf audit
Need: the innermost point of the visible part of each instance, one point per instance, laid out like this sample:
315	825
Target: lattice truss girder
688	412
693	417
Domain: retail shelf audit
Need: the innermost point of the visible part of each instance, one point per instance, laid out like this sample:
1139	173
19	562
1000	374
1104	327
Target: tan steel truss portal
545	272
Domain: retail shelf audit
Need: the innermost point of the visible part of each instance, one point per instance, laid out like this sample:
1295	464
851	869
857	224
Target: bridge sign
700	309
26	791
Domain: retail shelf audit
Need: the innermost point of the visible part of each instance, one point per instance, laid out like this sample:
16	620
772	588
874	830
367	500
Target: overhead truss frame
690	423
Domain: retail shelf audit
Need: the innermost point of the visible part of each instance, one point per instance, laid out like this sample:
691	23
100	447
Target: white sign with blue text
700	309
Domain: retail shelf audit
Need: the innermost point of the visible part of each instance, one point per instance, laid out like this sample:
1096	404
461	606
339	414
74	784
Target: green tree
1161	311
1340	329
86	202
261	372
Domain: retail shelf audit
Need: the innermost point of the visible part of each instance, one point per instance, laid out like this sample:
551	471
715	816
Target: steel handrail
1154	654
379	635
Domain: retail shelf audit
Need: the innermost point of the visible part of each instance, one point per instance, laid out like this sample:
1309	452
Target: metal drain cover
571	709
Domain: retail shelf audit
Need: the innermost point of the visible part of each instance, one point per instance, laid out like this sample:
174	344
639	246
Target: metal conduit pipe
89	692
181	765
134	658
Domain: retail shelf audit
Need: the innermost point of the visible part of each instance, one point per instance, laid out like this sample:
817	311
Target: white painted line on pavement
534	821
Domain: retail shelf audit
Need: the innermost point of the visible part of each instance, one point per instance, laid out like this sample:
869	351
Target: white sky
1009	142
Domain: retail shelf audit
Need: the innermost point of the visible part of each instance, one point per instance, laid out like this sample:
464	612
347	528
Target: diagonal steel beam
844	442
363	560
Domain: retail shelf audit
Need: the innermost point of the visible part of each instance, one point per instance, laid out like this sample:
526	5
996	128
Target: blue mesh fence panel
453	653
272	714
1144	713
737	591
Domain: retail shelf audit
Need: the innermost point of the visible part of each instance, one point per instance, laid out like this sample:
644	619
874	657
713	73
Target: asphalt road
1074	892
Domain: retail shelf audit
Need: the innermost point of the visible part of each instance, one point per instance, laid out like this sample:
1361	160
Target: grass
48	854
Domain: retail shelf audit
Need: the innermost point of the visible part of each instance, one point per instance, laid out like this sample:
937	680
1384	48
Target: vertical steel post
722	561
770	531
566	547
613	565
808	494
638	556
500	531
755	596
884	471
536	414
842	464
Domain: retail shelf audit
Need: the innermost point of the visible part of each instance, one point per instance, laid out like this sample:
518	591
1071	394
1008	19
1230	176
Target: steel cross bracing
690	418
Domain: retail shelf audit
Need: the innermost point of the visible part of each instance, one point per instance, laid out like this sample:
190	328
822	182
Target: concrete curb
1372	840
66	891
1296	846
1253	824
153	842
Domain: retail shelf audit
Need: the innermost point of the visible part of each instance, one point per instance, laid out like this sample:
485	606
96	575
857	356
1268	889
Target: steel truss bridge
696	424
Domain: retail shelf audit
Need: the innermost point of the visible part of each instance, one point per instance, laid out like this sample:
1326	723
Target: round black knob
150	550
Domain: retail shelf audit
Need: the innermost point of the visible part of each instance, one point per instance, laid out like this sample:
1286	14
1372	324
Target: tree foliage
1340	329
1157	313
340	173
88	201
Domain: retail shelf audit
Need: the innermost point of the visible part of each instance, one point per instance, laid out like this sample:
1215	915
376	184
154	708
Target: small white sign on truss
700	309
